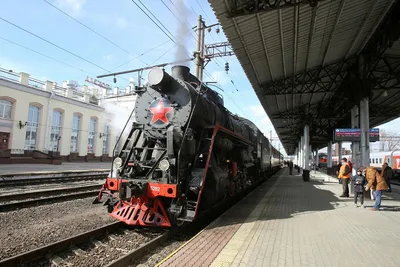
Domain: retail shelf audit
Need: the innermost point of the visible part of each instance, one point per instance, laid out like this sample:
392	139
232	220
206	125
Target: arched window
55	131
32	128
5	109
75	133
92	131
105	138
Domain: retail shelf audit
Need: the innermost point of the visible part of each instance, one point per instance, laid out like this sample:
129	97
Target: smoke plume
116	116
183	32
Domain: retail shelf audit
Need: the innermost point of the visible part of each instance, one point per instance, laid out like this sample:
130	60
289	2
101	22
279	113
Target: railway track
92	243
107	246
62	194
7	182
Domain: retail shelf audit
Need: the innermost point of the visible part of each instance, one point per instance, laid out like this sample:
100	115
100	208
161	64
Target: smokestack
158	77
180	72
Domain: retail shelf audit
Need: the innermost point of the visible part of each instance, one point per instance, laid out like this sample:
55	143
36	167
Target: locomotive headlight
164	165
117	162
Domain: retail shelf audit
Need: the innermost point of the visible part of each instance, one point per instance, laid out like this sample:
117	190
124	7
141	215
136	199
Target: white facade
46	117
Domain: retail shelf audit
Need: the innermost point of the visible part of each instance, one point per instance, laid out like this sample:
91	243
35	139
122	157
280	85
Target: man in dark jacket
387	173
359	181
290	167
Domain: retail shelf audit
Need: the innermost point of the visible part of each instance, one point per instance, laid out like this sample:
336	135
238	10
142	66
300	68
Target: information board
374	134
354	135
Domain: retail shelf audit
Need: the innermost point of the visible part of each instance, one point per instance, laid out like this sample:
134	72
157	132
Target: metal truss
218	50
318	80
379	111
373	70
386	73
238	8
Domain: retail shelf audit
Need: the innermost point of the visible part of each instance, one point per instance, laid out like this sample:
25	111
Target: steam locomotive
185	153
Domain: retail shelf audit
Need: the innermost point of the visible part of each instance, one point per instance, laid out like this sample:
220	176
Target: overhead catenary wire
47	56
107	39
49	42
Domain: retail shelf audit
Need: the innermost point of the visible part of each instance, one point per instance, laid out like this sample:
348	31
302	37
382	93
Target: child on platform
359	182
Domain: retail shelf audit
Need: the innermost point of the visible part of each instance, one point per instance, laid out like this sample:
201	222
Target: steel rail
46	192
39	253
33	181
34	202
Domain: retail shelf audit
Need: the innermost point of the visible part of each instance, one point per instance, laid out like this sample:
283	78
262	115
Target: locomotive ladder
203	149
129	146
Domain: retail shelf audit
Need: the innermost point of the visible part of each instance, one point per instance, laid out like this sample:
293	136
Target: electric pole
199	49
207	52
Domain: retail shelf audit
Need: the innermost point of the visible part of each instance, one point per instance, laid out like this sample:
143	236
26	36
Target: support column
306	147
302	152
329	165
299	154
315	161
364	125
355	146
340	145
298	159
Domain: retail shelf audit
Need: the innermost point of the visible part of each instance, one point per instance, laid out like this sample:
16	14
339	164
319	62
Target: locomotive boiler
185	152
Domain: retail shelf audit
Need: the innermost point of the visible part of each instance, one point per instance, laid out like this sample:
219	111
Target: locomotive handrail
186	130
119	138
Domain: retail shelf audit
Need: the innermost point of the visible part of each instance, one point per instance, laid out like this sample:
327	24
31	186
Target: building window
92	128
5	109
32	128
105	139
75	133
55	131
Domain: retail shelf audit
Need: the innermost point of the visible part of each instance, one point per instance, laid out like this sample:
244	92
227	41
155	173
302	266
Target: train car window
380	160
370	160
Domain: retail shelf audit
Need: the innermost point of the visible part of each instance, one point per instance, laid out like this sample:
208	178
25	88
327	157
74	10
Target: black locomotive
185	152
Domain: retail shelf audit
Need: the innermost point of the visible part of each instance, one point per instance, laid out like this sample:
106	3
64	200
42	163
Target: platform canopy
310	61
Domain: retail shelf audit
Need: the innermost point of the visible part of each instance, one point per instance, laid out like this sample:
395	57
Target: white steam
117	116
183	31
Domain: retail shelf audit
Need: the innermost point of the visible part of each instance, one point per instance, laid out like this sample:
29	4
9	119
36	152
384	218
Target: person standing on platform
290	167
387	173
375	182
359	182
344	176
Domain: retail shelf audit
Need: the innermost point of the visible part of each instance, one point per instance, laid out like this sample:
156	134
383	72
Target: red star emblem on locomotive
160	112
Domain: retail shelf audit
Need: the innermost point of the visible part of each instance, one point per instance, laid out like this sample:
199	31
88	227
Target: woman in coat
375	182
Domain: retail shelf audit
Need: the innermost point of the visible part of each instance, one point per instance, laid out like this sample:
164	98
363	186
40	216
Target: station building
41	122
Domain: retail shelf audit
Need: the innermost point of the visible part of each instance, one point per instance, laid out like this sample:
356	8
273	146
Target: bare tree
389	141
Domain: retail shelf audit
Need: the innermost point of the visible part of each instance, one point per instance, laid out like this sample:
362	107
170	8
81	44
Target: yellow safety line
175	251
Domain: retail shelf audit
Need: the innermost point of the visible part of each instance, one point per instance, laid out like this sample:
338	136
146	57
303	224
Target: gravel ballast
30	228
163	251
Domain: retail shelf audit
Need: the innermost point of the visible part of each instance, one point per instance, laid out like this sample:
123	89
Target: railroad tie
112	237
98	243
58	262
78	251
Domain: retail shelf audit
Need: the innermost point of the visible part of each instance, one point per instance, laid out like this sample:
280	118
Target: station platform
289	222
6	169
